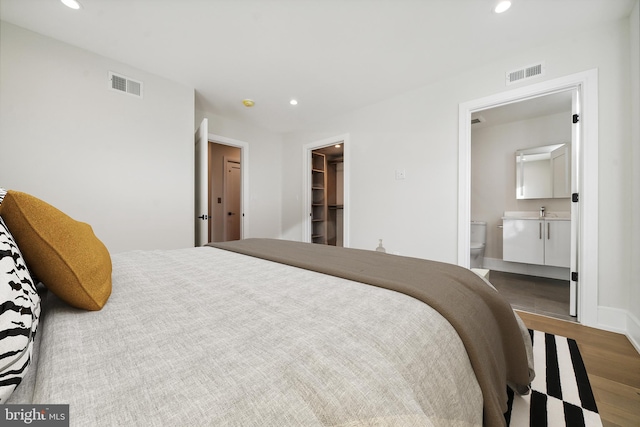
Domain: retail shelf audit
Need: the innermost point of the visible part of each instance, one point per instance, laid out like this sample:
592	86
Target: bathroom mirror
544	172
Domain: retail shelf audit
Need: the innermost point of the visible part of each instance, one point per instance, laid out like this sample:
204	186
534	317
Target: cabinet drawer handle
540	230
548	231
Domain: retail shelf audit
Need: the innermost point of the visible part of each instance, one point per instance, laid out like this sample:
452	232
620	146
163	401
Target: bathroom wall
493	171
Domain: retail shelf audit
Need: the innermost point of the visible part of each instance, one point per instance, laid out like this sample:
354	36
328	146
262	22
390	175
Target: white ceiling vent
124	84
525	73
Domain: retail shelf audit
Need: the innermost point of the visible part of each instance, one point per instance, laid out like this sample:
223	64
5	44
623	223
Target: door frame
306	184
586	83
244	186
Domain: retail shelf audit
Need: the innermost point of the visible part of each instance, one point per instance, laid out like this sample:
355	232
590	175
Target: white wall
120	163
262	216
493	171
418	132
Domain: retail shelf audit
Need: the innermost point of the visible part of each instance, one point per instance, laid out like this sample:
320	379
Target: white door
232	185
576	148
201	184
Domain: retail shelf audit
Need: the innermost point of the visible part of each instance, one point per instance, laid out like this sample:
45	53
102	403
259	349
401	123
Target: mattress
205	336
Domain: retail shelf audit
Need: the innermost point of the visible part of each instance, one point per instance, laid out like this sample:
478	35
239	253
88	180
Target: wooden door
232	197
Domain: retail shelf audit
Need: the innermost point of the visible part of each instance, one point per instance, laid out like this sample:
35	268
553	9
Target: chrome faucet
542	209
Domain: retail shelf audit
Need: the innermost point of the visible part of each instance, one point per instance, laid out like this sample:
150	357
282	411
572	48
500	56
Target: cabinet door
557	243
522	241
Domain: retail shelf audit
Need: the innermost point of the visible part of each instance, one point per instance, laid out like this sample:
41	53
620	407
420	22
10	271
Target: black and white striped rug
561	393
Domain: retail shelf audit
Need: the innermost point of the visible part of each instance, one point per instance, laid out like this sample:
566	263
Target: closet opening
326	209
327	195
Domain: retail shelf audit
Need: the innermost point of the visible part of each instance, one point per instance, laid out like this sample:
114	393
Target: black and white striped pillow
19	314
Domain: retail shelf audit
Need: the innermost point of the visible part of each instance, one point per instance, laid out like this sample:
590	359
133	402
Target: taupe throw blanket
484	321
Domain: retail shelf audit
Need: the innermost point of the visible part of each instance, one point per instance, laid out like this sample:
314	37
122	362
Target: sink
521	215
536	215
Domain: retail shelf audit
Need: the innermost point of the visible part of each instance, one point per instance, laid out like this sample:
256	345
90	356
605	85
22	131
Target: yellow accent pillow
62	253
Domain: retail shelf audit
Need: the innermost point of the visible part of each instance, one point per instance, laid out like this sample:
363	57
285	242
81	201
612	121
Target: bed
265	332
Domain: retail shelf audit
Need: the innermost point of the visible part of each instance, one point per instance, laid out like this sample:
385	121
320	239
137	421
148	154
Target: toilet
478	243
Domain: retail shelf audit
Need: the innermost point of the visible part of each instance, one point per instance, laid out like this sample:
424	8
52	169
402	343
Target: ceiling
524	110
333	152
333	56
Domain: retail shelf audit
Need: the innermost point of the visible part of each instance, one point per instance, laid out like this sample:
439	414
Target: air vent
525	73
124	84
477	119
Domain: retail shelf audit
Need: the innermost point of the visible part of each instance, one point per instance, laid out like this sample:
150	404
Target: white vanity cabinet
537	241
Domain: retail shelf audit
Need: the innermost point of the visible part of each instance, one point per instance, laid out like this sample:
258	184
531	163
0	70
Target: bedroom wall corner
121	163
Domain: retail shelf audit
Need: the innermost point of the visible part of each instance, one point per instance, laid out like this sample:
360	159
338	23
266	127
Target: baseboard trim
633	330
549	272
621	321
612	319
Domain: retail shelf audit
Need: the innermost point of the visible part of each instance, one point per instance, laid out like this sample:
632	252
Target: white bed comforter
203	336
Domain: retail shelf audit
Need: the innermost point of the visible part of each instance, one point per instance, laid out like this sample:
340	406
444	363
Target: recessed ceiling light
293	102
248	102
502	6
337	145
73	4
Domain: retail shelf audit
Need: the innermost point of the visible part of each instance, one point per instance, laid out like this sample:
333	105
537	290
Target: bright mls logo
35	415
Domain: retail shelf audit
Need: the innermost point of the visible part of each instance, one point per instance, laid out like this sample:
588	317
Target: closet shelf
319	198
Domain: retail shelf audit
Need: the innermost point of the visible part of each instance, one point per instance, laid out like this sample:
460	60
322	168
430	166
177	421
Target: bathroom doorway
541	126
584	211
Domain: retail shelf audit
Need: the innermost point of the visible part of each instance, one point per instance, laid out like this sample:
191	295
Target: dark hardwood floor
548	297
